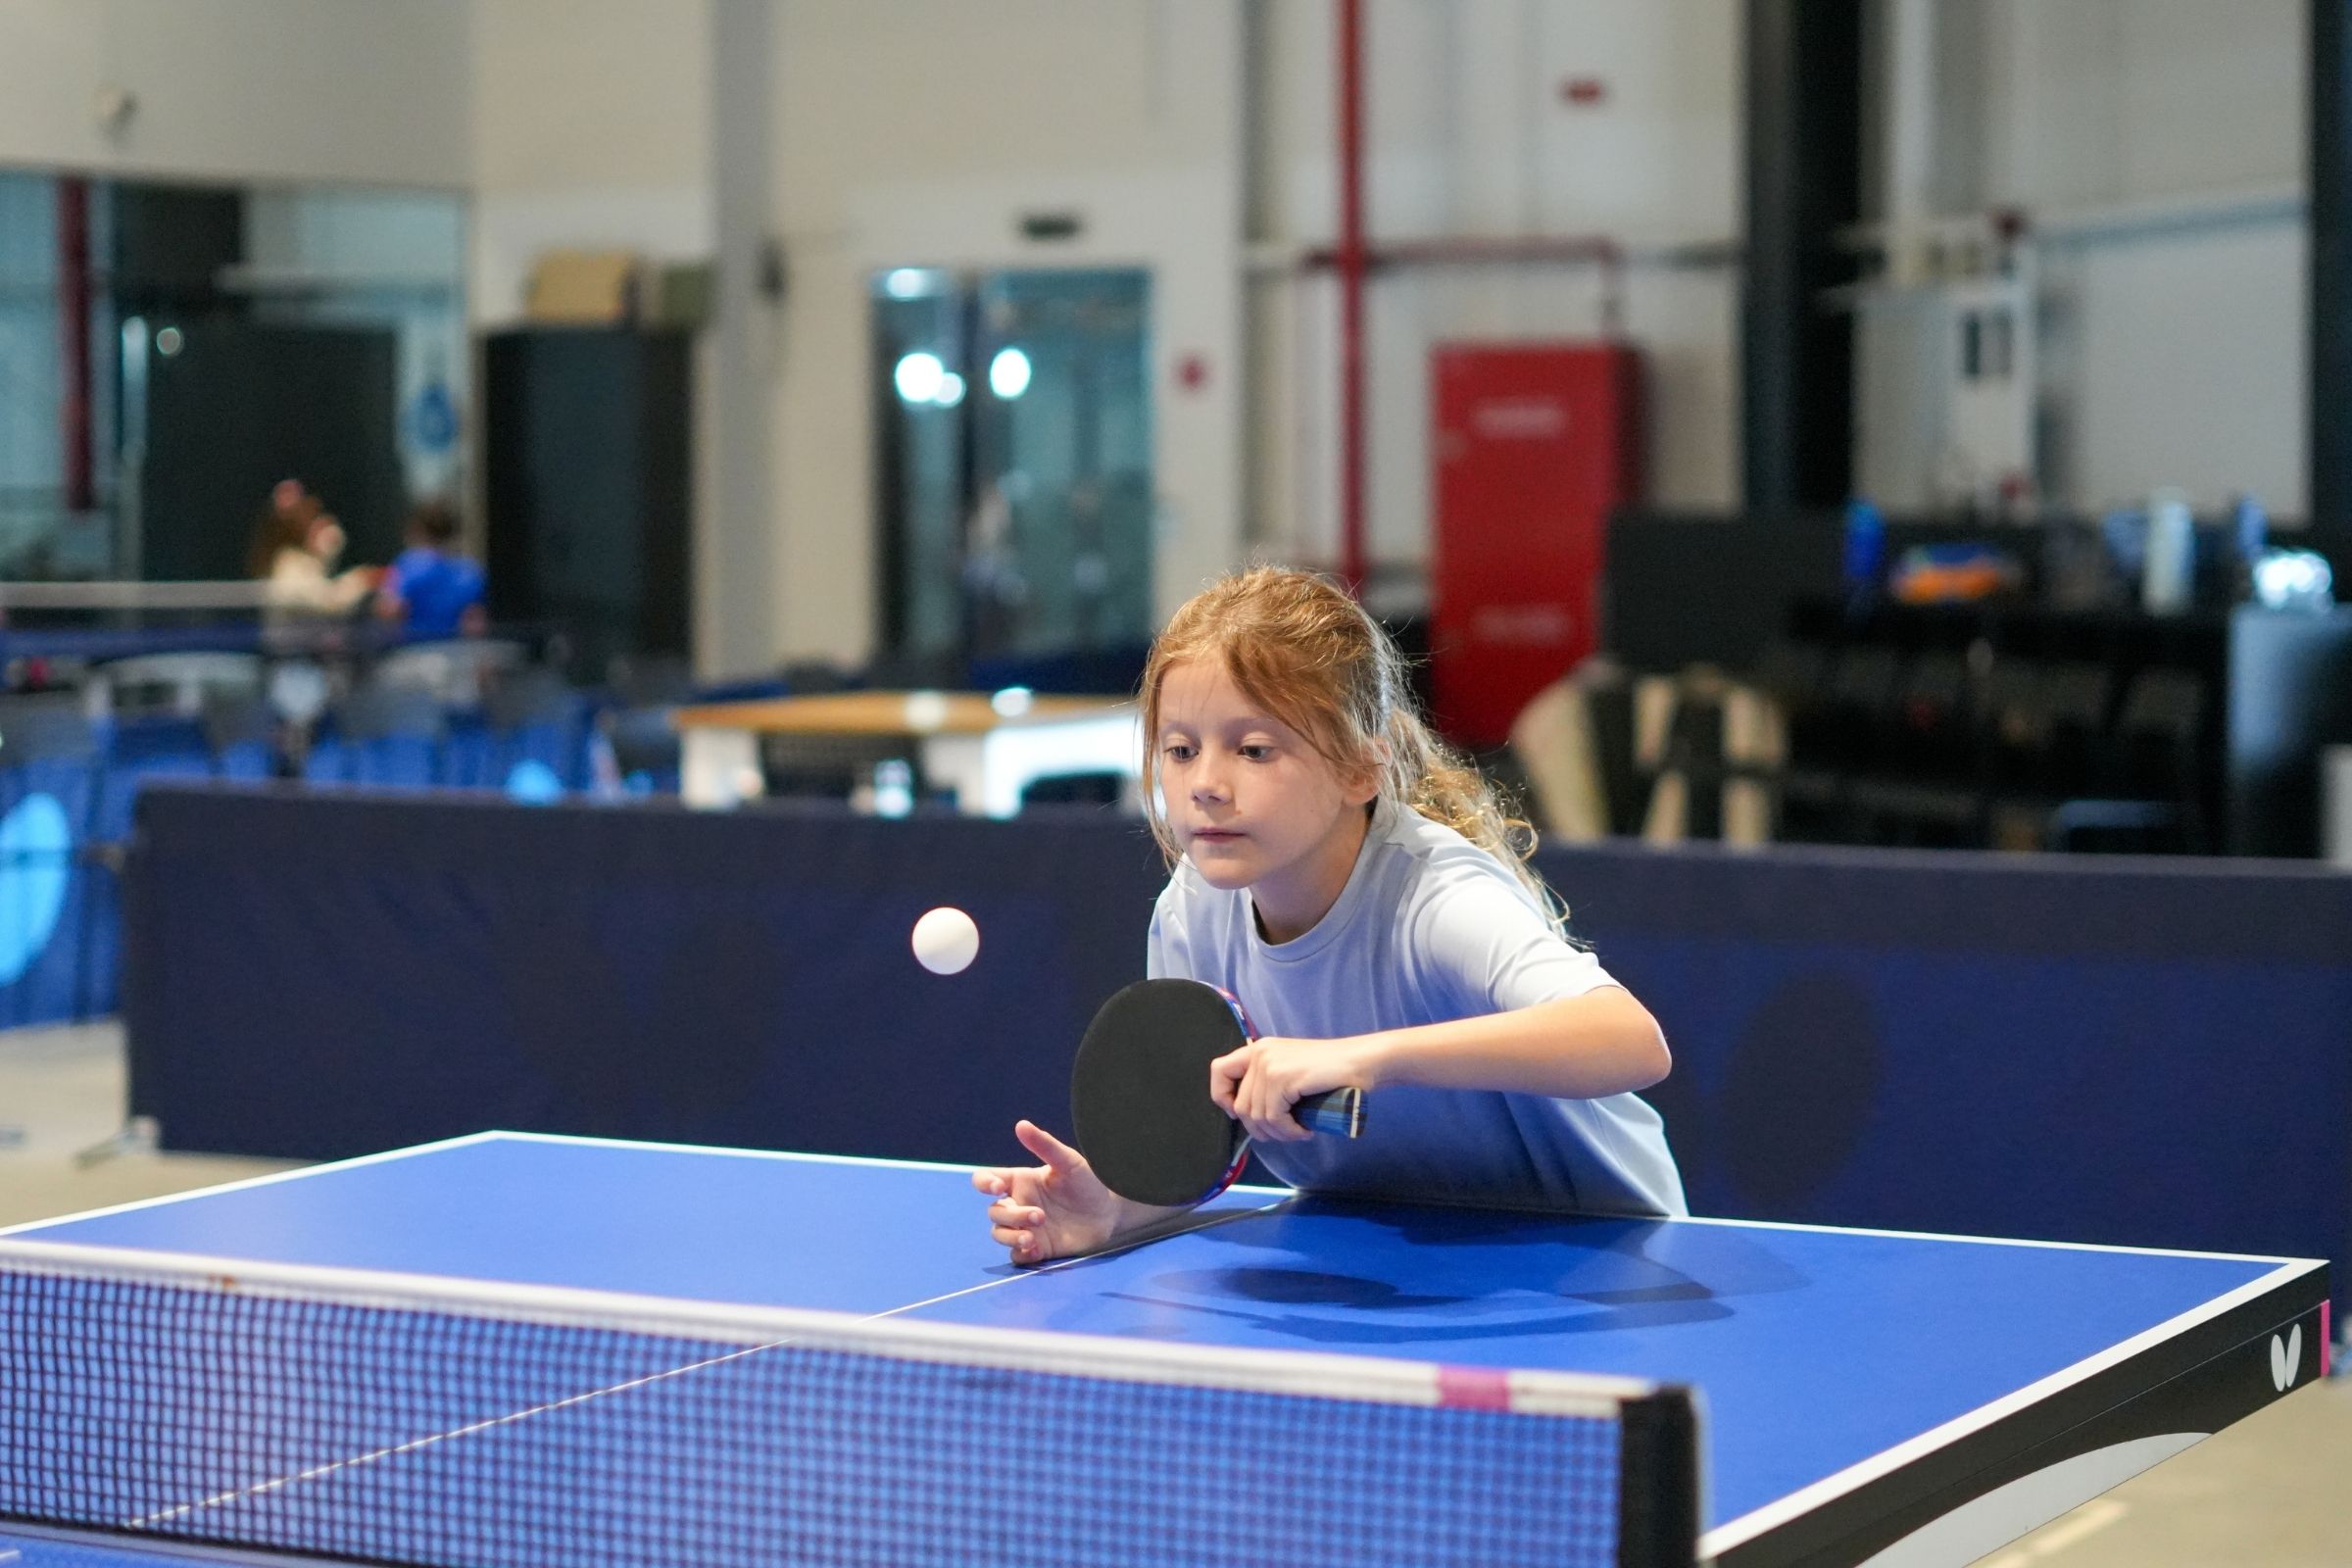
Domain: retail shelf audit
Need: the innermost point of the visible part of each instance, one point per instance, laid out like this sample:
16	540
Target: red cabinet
1535	443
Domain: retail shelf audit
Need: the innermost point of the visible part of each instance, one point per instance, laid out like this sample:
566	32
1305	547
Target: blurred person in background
432	589
296	544
279	526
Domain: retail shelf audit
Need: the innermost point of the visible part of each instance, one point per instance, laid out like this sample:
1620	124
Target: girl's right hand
1055	1210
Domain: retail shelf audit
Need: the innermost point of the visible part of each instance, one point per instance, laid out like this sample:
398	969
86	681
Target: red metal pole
73	331
1351	261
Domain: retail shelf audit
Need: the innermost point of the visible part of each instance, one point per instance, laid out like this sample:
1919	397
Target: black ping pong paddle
1140	1102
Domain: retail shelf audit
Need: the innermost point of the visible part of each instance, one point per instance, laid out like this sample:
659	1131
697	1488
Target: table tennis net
395	1419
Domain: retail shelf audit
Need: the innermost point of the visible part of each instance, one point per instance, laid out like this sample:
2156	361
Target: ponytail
1431	777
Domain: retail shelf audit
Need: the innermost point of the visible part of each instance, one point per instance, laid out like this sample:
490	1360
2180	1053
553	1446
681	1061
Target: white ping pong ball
946	941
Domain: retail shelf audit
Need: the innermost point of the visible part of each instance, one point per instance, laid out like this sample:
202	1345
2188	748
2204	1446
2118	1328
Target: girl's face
1250	803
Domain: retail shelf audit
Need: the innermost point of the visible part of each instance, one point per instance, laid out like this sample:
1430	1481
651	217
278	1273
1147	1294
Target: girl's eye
1179	754
1256	752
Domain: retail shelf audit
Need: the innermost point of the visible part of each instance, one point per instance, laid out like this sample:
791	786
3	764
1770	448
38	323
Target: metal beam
2330	351
1804	183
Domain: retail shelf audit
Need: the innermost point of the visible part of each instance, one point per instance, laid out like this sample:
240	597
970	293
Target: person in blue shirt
431	589
1365	895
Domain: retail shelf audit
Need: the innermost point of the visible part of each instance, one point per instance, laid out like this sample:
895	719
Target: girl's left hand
1259	1084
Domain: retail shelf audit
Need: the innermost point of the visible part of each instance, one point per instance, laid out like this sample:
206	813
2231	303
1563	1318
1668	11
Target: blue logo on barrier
36	851
533	783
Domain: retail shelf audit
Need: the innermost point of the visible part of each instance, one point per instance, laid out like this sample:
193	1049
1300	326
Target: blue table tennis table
1768	1394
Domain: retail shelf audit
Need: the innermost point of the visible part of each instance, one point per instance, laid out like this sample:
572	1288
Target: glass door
1014	435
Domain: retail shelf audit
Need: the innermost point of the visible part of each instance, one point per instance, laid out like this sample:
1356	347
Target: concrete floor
61	1093
2261	1494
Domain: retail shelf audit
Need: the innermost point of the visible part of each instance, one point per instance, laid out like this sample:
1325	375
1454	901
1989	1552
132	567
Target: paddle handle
1335	1110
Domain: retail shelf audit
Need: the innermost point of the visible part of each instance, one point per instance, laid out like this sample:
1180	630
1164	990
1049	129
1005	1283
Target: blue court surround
1951	1042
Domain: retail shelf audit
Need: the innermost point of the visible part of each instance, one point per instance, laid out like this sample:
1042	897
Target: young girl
1355	885
294	546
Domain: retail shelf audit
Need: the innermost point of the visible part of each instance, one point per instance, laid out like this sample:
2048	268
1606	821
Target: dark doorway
233	407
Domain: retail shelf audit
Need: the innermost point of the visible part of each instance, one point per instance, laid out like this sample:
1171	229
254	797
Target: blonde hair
1310	656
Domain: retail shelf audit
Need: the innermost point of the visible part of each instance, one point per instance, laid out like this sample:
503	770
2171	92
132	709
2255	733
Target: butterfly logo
2286	1358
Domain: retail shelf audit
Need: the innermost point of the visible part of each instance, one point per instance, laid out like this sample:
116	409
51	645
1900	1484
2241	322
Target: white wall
2158	148
916	133
344	91
1468	135
596	130
737	543
2180	346
2101	103
592	130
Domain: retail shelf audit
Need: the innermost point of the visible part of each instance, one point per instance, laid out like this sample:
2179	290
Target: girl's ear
1366	782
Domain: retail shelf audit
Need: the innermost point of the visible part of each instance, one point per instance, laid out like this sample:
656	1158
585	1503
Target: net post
1662	1484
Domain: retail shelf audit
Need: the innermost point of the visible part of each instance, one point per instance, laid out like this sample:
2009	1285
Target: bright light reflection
919	377
1008	374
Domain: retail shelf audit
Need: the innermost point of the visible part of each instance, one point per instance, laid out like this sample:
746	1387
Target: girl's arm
1578	1047
1585	1046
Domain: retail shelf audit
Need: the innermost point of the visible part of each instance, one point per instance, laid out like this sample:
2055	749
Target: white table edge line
324	1167
1975	1240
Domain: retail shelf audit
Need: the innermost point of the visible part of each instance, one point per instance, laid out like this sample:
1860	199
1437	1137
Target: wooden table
984	749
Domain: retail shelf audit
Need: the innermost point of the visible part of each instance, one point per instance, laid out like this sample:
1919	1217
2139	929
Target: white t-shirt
1429	928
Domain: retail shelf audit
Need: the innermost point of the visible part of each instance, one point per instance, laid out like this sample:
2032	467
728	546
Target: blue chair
158	706
140	748
389	737
537	730
467	749
642	743
527	719
243	738
633	726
